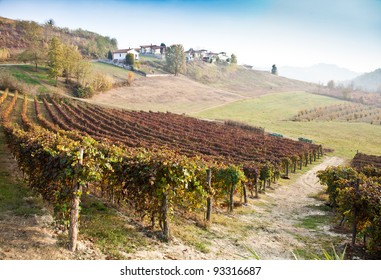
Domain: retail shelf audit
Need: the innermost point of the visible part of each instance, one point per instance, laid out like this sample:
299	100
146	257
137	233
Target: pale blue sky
260	32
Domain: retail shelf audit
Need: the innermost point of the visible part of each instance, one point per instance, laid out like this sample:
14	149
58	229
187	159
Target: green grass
274	112
113	71
15	197
26	74
109	231
192	235
42	75
314	221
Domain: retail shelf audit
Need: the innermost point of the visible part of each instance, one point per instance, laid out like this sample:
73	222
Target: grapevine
153	163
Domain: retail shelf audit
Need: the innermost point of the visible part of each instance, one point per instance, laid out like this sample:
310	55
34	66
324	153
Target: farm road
285	208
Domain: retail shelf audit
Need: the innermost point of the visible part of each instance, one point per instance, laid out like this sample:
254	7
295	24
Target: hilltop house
153	50
223	57
120	55
192	54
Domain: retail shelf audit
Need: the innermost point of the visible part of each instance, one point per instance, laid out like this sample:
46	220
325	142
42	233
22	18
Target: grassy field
274	113
28	78
119	74
237	79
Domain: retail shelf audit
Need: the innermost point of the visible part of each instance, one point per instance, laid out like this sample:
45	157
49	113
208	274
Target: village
119	56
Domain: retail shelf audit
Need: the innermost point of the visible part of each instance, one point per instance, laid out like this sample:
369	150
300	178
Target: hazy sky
259	32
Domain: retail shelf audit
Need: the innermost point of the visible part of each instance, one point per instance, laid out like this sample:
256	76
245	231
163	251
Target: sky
260	32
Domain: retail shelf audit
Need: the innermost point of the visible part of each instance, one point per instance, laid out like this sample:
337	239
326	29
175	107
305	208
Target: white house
192	54
223	57
120	55
151	49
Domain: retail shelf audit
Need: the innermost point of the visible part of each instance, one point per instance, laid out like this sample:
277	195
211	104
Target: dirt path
284	209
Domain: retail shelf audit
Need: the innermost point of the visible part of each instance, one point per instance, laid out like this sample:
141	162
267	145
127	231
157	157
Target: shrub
83	91
10	82
130	78
101	83
4	54
98	83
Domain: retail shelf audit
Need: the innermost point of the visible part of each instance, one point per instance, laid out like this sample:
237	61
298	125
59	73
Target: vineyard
155	163
362	160
355	193
342	112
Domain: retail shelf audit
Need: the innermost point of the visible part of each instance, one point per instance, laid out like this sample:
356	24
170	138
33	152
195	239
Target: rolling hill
203	86
13	37
319	73
369	81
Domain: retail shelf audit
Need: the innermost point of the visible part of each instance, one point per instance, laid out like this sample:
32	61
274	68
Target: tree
109	55
50	22
71	57
175	58
162	48
233	59
55	55
35	55
274	70
82	70
34	36
331	84
130	59
114	43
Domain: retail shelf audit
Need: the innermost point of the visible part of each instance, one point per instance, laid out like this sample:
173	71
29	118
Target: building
120	55
192	54
152	50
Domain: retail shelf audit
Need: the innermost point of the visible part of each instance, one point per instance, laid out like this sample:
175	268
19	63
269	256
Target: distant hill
319	73
13	37
369	81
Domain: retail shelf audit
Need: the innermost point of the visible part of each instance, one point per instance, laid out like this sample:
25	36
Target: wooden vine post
209	199
354	225
74	212
286	166
164	211
231	201
244	194
256	185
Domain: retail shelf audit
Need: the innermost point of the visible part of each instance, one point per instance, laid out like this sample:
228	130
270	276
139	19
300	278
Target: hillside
14	37
243	81
203	86
369	81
